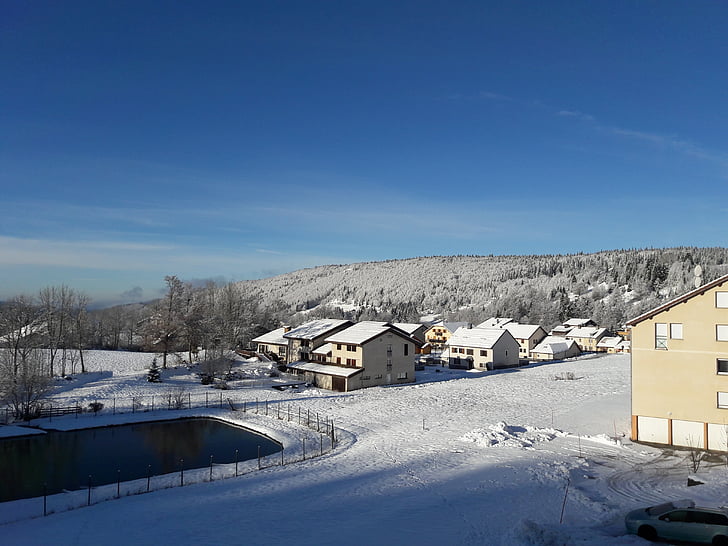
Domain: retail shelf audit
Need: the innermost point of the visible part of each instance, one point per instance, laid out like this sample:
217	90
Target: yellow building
438	334
680	370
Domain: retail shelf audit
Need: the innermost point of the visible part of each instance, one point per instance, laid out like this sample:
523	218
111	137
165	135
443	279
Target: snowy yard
456	458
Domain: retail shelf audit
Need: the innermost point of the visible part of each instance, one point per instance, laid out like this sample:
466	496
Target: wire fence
324	441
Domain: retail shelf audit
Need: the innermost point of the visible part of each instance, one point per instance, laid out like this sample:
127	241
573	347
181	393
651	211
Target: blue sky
236	140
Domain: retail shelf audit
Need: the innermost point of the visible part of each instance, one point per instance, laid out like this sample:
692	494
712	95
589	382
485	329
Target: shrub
95	406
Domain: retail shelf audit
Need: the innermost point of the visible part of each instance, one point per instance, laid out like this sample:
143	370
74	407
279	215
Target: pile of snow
504	435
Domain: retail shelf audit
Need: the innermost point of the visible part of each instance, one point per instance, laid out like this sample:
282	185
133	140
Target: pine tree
153	375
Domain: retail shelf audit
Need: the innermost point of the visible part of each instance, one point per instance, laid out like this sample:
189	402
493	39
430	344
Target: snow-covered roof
553	345
495	322
274	338
409	327
361	332
315	328
323	350
451	326
327	369
588	332
609	342
624	345
561	330
578	322
479	338
521	331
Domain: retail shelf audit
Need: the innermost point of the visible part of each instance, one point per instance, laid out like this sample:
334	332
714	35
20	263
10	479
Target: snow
459	457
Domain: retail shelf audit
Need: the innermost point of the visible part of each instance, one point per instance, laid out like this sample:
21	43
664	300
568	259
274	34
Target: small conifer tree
153	375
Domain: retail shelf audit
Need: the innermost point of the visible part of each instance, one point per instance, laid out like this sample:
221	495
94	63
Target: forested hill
609	286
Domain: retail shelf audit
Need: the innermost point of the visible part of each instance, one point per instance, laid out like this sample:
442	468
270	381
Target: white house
482	348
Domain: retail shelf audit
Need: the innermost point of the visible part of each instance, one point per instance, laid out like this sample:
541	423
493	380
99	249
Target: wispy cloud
575	114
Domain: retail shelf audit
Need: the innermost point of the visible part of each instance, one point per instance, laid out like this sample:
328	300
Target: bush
566	376
96	406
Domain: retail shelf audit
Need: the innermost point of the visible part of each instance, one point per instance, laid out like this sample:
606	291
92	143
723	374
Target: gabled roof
362	332
680	299
562	330
609	342
409	327
327	369
315	328
274	338
591	332
578	322
478	338
522	331
495	322
554	345
451	326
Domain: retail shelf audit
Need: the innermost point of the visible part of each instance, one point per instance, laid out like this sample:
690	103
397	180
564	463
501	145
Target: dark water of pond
64	460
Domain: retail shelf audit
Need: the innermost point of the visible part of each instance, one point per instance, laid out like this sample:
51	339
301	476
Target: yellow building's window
676	331
660	335
722	366
721	300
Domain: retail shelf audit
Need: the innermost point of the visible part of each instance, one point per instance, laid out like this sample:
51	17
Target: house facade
309	336
680	370
555	348
528	337
273	344
482	348
366	354
438	334
587	337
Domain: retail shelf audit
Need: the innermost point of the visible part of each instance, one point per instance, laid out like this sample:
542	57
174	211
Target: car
680	520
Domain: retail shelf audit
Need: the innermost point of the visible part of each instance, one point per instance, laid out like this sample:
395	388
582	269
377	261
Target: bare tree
21	330
24	383
164	327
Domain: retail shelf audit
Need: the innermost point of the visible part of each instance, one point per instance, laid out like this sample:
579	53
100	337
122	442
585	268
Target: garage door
652	429
687	434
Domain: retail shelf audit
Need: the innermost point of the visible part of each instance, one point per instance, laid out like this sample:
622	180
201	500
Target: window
351	348
351	361
378	376
365	378
660	335
338	360
262	348
723	400
483	352
469	351
402	375
281	350
676	331
721	300
722	365
304	343
721	332
406	349
338	346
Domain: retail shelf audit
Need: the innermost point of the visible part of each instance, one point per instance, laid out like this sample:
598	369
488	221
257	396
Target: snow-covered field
456	458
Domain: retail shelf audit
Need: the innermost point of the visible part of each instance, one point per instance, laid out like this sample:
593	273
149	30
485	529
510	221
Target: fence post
256	405
304	449
289	413
50	414
152	402
88	502
221	400
321	440
113	410
266	407
282	448
189	400
45	499
258	457
206	399
149	476
245	407
210	467
181	472
236	463
118	483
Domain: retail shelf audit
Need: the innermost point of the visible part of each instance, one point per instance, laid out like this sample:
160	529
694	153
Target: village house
365	354
416	331
438	334
495	322
680	370
482	348
309	336
273	345
555	348
528	337
609	344
587	337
